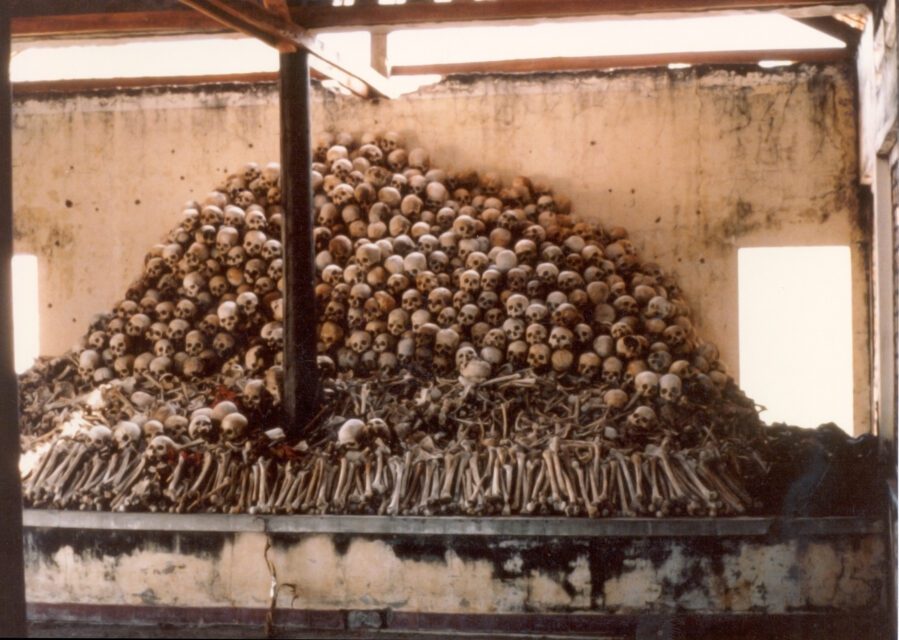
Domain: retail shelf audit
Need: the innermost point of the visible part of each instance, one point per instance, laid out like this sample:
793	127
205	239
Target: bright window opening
795	318
26	318
602	38
136	59
221	55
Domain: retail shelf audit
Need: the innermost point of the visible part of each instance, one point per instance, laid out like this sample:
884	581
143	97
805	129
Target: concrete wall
836	566
695	163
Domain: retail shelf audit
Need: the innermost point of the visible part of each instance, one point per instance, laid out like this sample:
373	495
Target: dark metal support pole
301	383
12	583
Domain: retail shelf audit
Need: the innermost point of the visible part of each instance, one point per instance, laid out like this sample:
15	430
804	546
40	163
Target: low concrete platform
160	575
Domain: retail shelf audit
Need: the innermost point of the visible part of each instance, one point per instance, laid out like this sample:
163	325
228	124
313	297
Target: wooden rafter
286	36
366	14
835	28
543	65
113	24
44	87
136	17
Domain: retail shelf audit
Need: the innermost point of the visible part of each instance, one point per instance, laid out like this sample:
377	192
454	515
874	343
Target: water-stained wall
196	574
695	163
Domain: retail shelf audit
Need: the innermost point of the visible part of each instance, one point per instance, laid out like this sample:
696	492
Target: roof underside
288	25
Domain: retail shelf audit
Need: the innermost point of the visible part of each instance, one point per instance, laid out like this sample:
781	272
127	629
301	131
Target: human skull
516	305
646	383
514	328
562	360
359	341
193	284
330	334
193	367
548	273
142	362
248	303
253	241
222	344
271	249
561	338
659	361
539	356
470	281
126	434
583	333
414	263
569	280
447	340
411	300
97	339
612	370
517	352
194	343
234	426
228	315
88	361
468	315
184	310
226	238
629	347
159	366
160	448
626	305
588	364
359	294
209	324
201	426
525	251
516	280
235	256
465	355
670	387
642	417
675	336
658	307
487	300
554	300
398	322
535	334
426	281
465	227
177	330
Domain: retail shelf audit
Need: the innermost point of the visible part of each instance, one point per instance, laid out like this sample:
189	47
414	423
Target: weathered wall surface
694	163
842	574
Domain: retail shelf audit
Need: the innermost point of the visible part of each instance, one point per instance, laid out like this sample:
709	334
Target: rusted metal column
301	383
12	585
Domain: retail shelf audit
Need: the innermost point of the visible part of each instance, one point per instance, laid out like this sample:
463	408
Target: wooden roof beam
366	14
542	65
428	13
834	28
114	24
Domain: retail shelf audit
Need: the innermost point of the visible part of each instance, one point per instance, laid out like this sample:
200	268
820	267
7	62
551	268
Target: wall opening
26	315
795	319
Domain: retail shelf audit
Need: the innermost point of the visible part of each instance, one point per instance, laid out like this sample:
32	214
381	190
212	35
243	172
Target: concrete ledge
455	526
46	620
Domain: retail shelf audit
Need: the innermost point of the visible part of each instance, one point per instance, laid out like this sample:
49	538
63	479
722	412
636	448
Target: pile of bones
482	351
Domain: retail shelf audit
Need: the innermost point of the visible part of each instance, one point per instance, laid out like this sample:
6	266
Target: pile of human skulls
482	350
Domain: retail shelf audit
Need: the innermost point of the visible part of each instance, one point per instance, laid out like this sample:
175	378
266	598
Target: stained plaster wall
695	163
459	575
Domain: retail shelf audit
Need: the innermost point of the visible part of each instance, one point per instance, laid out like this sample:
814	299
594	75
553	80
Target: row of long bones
510	460
574	478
